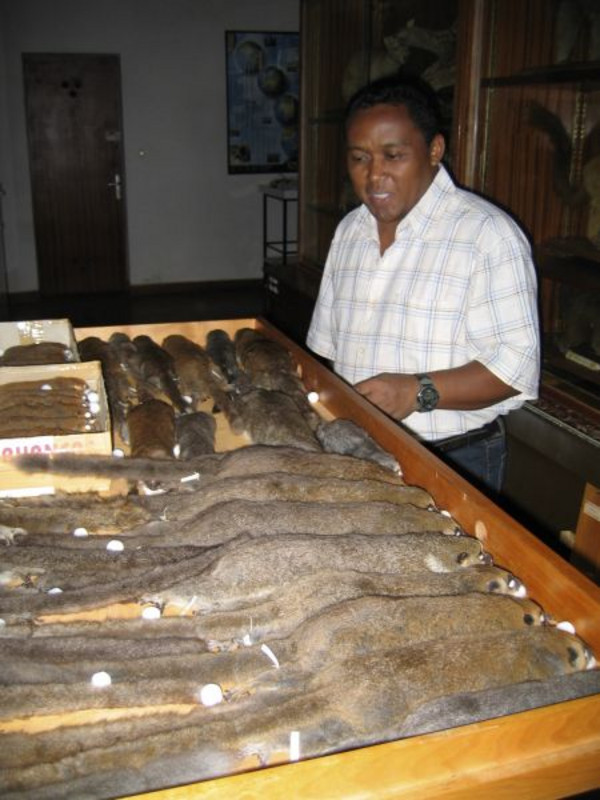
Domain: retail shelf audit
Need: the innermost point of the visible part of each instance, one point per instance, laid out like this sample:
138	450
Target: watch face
428	396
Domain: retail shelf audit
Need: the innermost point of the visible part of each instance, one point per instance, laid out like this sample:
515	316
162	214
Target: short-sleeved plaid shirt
457	285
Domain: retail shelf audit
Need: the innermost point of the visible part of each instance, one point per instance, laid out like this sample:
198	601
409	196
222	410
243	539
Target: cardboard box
29	332
13	482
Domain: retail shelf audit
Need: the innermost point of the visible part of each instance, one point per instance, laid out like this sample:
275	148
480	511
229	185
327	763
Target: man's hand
467	387
394	394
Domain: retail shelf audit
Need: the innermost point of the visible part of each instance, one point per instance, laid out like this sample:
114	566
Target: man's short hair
417	96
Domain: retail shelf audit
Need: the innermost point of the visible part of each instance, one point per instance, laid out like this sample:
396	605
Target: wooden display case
548	752
527	135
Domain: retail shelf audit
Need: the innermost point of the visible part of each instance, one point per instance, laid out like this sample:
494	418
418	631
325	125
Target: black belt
468	438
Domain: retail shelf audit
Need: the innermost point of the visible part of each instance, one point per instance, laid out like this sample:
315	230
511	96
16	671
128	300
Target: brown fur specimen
195	372
20	355
45	407
348	703
345	437
224	521
158	371
270	366
293	460
128	583
268	417
129	358
281	486
151	427
244	573
345	630
195	434
293	604
38	569
308	594
251	460
63	514
257	353
221	352
120	390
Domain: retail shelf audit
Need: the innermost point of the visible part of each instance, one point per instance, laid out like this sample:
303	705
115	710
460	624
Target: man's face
390	164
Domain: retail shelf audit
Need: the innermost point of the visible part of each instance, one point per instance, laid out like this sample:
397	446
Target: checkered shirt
457	285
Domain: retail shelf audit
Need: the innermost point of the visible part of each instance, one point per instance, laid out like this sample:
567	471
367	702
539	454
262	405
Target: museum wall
188	220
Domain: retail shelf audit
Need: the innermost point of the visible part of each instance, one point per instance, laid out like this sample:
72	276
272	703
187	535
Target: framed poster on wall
262	101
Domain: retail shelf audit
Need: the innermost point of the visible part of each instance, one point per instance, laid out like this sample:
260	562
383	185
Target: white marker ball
115	546
567	626
211	694
101	680
151	612
55	590
118	453
313	397
81	533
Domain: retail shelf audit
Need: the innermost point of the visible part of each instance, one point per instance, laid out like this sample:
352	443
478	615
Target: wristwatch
427	396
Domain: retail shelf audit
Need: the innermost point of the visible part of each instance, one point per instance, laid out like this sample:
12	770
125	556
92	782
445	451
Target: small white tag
270	654
195	476
294	745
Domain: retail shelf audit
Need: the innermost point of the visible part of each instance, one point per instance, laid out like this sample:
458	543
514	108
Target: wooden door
74	128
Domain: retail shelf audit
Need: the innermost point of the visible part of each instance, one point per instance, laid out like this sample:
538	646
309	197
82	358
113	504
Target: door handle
117	185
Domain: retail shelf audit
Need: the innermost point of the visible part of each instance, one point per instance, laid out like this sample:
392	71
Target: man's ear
437	149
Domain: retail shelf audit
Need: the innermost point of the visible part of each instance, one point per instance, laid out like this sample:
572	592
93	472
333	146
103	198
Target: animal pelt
195	434
223	521
354	627
244	571
251	460
120	388
158	370
151	426
196	373
345	437
268	417
270	366
66	513
278	616
20	355
221	351
255	570
54	406
347	703
113	514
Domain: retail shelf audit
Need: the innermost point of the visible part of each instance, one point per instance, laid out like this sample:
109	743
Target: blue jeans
484	460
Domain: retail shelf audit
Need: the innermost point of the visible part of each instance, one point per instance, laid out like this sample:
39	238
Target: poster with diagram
263	101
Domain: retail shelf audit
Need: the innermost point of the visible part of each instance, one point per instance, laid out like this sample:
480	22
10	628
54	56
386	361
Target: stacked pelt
158	396
280	601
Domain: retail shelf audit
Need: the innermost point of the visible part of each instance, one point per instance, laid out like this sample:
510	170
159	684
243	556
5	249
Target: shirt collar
426	210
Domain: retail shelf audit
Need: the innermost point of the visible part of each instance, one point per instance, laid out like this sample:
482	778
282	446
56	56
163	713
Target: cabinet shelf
572	260
585	72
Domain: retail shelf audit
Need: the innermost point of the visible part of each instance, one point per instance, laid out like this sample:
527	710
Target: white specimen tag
294	745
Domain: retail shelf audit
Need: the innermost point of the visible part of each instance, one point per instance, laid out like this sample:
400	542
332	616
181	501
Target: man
428	302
